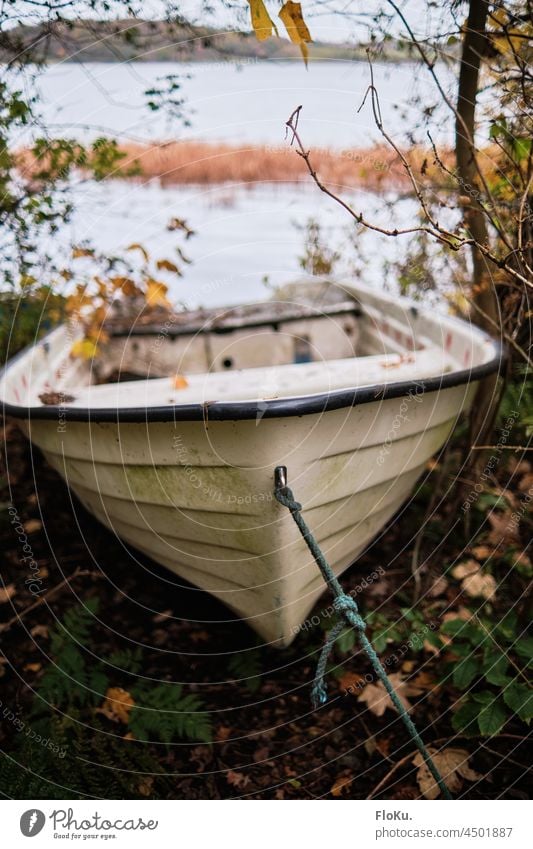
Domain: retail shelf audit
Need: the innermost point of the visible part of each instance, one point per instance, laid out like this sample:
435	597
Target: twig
390	773
78	573
501	447
435	743
453	241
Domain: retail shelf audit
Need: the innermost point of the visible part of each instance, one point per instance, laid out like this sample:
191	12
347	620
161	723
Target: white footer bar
252	824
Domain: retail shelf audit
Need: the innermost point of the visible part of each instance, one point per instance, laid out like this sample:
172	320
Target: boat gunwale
296	406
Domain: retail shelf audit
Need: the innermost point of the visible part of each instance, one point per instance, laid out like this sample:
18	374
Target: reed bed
205	163
377	168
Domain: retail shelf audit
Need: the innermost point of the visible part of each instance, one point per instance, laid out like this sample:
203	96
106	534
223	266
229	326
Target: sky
329	20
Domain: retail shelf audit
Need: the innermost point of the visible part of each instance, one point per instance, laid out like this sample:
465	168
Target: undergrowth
82	735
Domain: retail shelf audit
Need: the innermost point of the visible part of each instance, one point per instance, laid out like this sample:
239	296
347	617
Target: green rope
348	612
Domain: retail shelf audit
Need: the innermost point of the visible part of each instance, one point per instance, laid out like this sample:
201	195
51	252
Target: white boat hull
197	496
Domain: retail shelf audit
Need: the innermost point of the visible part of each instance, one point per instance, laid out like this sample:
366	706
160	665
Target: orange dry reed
375	168
203	162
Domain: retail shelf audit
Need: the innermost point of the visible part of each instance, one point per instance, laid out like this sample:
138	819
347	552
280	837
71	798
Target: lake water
244	233
248	102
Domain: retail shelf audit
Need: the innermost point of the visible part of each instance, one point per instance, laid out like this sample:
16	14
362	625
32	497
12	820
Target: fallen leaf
452	765
469	567
146	786
39	631
223	733
32	667
117	705
32	526
179	382
424	681
350	682
199	636
474	581
521	559
430	648
7	592
504	531
462	613
237	779
54	398
378	700
526	483
480	585
341	785
163	616
439	586
482	552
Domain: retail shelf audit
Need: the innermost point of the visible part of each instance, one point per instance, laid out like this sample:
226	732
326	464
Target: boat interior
289	346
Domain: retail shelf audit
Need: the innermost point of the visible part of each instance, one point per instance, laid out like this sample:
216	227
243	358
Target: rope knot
344	604
287	499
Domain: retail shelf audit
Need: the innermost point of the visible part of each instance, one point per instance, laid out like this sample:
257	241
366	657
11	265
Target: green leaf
524	648
163	712
454	627
465	672
521	148
498	128
492	716
507	626
519	697
346	641
246	667
488	500
465	719
495	666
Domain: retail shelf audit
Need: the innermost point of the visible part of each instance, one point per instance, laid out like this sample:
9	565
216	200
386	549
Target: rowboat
352	389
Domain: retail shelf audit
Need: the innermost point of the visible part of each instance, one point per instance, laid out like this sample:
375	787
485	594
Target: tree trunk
483	292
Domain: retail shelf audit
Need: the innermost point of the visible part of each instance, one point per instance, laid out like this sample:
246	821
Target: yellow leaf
167	265
84	348
79	252
156	293
27	280
341	785
180	382
261	21
126	285
117	705
135	246
291	15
